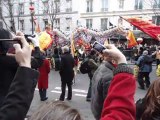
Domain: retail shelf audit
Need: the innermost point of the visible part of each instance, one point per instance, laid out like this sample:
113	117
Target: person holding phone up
8	64
20	93
119	103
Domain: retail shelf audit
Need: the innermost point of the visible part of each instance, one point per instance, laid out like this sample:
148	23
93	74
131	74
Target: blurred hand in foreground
22	55
34	40
115	54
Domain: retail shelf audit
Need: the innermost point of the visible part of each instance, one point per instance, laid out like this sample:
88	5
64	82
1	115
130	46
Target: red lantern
31	8
139	40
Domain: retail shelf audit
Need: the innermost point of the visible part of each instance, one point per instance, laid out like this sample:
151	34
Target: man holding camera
16	103
8	64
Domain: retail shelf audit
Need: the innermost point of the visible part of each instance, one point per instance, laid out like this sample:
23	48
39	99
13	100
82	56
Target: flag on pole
72	46
44	40
145	26
131	39
110	24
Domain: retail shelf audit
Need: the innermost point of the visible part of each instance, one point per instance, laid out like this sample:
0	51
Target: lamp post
31	8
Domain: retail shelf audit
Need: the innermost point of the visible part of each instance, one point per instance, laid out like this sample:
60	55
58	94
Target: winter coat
43	78
100	84
66	69
19	97
144	67
119	103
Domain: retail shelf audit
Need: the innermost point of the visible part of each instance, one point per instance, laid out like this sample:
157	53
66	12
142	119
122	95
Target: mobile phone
6	45
98	47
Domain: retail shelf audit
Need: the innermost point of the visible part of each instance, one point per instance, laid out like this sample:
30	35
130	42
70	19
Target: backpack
84	67
148	59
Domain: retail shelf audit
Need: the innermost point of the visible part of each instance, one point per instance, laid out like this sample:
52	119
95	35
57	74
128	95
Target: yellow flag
131	39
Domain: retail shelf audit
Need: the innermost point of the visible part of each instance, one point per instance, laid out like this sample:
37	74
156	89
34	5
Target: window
89	23
156	20
46	7
89	6
104	22
138	4
57	23
104	5
32	3
156	4
45	22
21	9
68	21
0	12
121	4
21	25
69	6
57	7
69	10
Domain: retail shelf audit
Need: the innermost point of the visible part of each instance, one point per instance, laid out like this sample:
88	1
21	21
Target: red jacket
43	77
119	104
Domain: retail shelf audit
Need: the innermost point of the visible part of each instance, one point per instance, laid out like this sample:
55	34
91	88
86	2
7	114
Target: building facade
68	14
1	22
60	13
103	14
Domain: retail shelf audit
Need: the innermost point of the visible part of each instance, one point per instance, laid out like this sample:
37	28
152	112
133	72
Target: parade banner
86	34
72	46
146	26
44	40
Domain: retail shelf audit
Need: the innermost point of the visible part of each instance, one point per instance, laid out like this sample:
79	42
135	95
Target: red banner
146	26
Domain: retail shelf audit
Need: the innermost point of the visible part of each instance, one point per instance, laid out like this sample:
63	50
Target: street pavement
80	89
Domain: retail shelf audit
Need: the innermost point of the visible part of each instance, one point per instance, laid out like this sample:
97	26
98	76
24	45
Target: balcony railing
156	6
69	10
140	7
21	13
104	9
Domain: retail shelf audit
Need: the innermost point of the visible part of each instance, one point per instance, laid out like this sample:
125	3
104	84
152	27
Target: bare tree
51	9
8	6
155	6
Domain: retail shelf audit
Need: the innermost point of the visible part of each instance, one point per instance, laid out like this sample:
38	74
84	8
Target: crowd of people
111	90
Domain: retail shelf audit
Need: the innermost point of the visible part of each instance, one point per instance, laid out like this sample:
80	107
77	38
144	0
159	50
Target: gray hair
55	110
65	49
145	52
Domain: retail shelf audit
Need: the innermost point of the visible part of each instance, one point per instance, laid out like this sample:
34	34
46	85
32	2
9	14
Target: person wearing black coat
21	91
8	64
66	73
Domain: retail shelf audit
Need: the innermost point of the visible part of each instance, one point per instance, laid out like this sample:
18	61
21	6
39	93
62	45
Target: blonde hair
55	110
